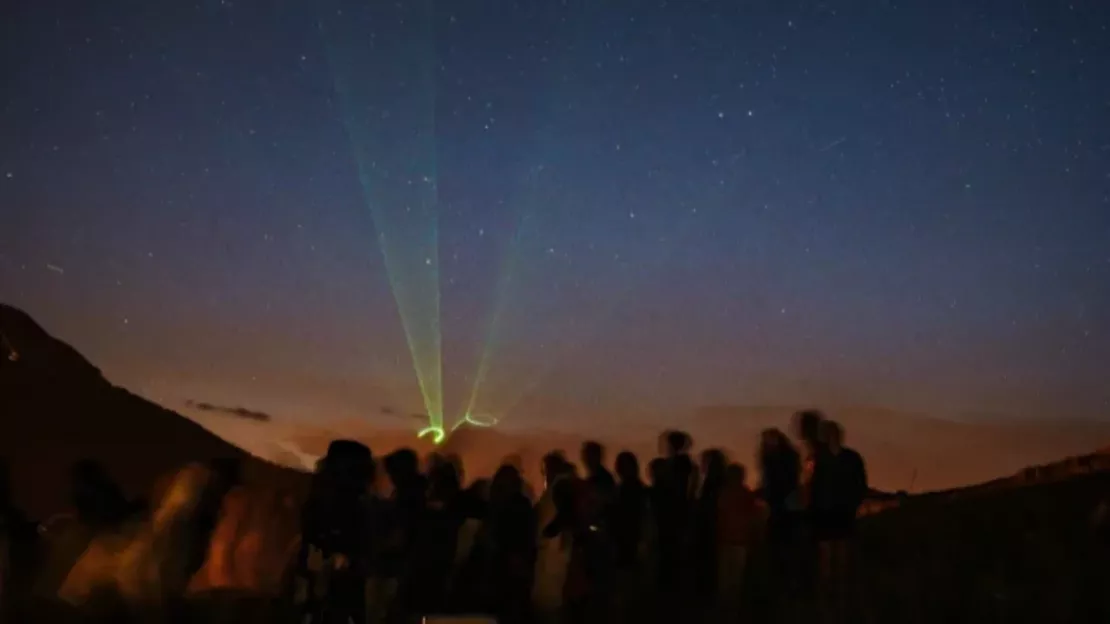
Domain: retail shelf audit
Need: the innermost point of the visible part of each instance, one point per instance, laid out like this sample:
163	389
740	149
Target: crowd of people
392	539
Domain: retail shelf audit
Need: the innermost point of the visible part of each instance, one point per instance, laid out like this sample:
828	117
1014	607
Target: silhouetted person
456	462
587	588
469	586
386	557
1100	521
839	488
677	488
683	472
737	525
657	474
98	501
435	539
780	471
595	543
630	511
631	522
432	461
18	544
597	475
713	465
406	512
555	525
409	486
807	431
226	476
659	495
332	571
472	506
507	543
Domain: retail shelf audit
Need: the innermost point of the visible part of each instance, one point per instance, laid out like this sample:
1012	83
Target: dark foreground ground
1027	554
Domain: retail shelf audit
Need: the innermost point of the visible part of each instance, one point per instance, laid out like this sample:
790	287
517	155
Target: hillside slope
57	408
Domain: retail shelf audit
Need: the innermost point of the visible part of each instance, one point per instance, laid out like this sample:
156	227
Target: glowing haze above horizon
627	208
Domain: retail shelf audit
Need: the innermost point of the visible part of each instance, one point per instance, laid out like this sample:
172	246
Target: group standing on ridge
596	545
388	539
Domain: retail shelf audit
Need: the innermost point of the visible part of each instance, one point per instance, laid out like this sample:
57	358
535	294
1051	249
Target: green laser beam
600	320
510	262
673	242
594	322
404	137
499	303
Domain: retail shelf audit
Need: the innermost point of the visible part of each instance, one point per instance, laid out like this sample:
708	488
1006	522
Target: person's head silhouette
736	475
593	455
628	467
807	425
831	435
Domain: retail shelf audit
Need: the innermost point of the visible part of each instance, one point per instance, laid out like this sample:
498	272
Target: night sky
649	205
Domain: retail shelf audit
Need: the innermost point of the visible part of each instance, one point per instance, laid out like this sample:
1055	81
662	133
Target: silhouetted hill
39	355
1013	553
1053	472
56	408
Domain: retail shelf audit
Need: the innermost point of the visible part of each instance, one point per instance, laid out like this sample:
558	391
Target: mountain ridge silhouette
57	408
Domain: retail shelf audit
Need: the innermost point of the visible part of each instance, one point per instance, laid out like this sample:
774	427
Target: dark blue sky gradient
895	203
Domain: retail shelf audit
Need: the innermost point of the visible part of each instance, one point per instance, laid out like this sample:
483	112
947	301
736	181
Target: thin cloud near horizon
235	412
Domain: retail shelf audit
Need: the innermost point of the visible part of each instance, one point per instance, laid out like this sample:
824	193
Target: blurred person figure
1100	520
465	585
665	557
456	461
839	489
676	489
406	512
97	506
738	521
220	522
633	540
435	540
98	502
706	511
506	540
806	427
597	475
143	566
780	471
807	431
18	549
554	539
330	582
384	559
595	498
683	474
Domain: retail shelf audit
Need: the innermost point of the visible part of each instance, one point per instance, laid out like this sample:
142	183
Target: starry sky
650	205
